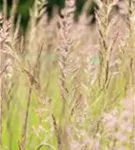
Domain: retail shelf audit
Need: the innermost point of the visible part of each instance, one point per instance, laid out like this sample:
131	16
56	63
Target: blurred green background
23	9
25	5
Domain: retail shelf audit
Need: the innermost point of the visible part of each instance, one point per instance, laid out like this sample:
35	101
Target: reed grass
68	85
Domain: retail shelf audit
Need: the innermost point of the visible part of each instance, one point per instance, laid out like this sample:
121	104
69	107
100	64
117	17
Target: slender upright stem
5	4
22	145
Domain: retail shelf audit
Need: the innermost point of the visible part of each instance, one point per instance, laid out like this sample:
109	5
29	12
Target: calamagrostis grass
68	79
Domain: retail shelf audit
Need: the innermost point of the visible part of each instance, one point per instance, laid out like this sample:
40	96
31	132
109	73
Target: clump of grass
68	85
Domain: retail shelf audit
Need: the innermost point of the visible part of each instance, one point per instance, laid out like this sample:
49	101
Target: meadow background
67	84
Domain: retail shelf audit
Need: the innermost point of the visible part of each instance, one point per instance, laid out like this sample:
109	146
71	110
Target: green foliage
25	5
